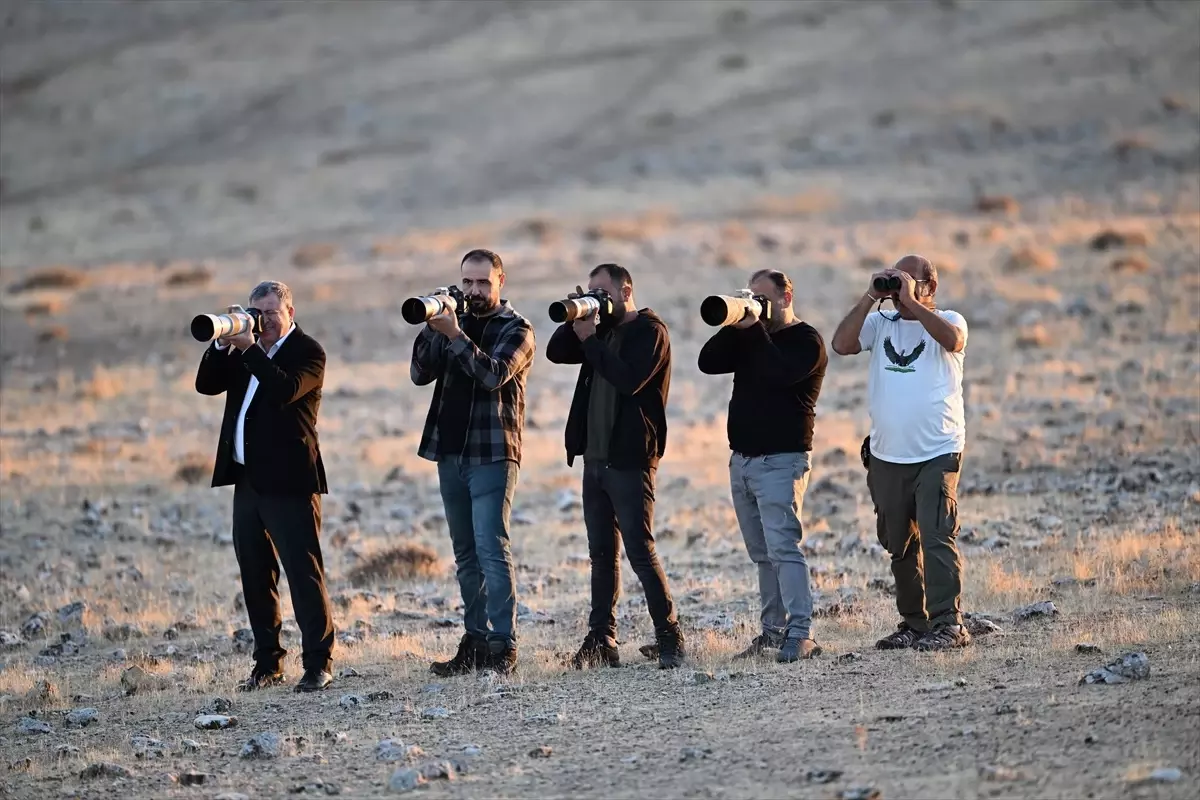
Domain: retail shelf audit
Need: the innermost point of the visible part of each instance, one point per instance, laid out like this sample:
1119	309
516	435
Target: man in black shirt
618	423
778	366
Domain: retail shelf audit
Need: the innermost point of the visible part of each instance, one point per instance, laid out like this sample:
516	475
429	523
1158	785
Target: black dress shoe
261	679
314	680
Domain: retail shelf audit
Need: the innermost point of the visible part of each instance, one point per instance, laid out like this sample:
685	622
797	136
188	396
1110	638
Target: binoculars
886	284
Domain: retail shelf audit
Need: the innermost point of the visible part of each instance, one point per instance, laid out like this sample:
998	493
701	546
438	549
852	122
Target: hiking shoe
261	679
759	645
470	657
796	649
902	638
670	650
944	637
501	658
650	651
596	651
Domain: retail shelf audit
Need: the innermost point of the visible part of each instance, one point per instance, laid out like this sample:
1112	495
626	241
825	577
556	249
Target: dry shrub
55	333
407	561
997	204
1133	263
195	469
43	308
796	205
733	259
634	229
1127	146
1028	257
196	275
1032	336
1110	239
49	278
1172	103
384	248
314	255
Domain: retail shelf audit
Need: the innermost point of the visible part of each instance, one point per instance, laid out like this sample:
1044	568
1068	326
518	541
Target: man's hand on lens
749	319
585	327
445	323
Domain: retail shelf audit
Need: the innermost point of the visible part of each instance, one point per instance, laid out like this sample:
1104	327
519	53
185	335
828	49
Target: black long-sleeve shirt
776	381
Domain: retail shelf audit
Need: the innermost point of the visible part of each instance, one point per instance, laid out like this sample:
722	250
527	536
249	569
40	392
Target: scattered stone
1164	775
191	778
822	775
1045	608
105	769
861	793
215	722
405	780
243	640
1087	647
694	753
1112	239
232	796
65	750
31	726
349	672
391	750
10	641
146	747
978	625
337	737
435	713
550	718
34	627
1000	773
352	701
544	751
123	632
72	613
1007	708
263	745
217	705
472	750
847	658
1129	667
701	678
82	717
190	746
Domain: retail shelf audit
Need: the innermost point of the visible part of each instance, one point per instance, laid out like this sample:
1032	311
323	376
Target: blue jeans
478	501
768	497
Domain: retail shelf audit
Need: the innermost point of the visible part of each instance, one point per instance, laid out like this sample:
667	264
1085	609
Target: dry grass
1028	258
50	278
196	275
314	255
404	562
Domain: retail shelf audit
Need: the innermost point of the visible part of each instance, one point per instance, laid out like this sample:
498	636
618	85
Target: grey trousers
768	496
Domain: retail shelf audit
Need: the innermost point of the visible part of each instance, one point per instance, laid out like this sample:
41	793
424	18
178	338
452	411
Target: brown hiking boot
797	649
944	637
759	645
902	638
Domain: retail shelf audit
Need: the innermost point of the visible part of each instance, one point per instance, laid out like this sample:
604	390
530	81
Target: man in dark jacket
479	361
268	451
778	367
618	423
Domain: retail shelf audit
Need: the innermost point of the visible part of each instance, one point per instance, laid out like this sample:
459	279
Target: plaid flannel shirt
500	366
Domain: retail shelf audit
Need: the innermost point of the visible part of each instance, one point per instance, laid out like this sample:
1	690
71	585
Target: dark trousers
916	509
287	526
618	506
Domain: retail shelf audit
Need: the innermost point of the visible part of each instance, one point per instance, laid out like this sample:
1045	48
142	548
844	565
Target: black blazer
281	449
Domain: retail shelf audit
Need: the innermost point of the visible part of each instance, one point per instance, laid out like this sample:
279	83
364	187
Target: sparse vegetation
49	278
404	562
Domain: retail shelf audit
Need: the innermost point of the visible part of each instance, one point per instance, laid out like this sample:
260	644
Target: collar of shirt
275	347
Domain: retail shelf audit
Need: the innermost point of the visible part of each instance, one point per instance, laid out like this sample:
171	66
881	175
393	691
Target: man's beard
481	305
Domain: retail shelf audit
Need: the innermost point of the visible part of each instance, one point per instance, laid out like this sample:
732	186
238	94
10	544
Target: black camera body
594	301
719	310
209	327
417	310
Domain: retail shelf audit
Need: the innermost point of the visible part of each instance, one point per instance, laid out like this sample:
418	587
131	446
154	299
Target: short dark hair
619	274
483	255
782	282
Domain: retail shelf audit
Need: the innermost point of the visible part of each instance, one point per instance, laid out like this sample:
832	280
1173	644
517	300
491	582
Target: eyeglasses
272	315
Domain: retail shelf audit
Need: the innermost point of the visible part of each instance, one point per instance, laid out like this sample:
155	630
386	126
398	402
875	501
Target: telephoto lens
210	327
888	283
571	309
417	310
719	310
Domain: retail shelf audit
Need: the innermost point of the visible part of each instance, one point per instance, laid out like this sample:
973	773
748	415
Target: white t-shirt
914	389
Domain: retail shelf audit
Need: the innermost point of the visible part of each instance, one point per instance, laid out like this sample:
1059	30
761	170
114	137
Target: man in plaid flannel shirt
478	362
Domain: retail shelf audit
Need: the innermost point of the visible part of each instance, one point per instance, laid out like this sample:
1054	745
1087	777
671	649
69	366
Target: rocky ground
1046	155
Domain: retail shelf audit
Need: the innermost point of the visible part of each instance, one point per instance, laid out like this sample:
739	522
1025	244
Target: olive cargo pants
916	510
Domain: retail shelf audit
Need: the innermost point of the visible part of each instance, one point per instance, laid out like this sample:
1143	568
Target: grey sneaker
796	649
759	645
902	638
944	637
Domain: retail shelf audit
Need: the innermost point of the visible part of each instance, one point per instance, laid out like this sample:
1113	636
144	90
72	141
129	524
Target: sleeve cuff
221	348
460	345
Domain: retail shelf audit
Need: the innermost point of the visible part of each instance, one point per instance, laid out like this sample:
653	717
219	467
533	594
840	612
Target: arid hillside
159	159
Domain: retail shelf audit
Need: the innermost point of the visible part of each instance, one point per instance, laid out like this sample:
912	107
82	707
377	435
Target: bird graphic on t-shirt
901	360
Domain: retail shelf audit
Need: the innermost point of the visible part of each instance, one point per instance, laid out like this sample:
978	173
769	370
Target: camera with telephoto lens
720	310
416	310
207	327
887	284
596	301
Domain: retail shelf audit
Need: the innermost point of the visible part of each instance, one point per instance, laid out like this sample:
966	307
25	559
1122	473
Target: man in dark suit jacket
269	452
